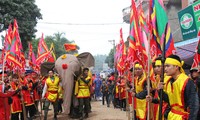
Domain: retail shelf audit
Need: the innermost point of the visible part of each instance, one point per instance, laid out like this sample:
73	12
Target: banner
189	20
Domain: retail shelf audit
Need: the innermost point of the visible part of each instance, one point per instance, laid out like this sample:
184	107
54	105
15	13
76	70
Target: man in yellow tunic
181	93
83	93
50	93
155	97
140	92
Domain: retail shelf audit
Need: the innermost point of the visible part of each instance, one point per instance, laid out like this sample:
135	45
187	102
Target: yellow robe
83	90
52	88
140	103
175	92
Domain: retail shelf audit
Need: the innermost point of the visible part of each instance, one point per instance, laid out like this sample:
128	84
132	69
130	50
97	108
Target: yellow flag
53	51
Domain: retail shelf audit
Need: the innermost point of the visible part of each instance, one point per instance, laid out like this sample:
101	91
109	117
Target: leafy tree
110	59
25	12
58	40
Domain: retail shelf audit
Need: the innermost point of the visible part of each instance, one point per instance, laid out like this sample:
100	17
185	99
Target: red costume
122	89
16	105
27	95
4	106
36	96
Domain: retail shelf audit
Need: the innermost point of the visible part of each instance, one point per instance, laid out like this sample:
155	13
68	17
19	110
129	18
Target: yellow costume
140	103
82	89
52	88
175	92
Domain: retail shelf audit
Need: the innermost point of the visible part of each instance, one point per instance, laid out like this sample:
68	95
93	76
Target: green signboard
196	9
189	19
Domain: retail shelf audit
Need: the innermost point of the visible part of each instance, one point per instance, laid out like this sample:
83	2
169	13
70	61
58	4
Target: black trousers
30	110
15	116
84	105
103	98
60	101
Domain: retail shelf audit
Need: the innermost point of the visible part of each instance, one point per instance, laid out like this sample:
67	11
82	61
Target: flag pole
127	103
162	75
133	112
148	77
4	60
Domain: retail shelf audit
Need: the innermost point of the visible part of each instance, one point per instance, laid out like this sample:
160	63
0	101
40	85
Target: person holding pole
5	97
180	93
83	93
28	93
140	92
122	91
17	99
36	96
155	97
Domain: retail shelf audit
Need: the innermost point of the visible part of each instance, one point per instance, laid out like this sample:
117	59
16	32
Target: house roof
186	50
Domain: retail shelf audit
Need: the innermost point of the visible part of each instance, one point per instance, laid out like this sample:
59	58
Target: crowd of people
180	91
25	94
21	94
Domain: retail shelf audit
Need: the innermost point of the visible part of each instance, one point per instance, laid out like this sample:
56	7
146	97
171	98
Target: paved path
99	112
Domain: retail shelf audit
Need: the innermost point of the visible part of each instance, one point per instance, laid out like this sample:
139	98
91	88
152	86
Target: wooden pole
4	60
148	77
23	107
133	112
127	103
162	76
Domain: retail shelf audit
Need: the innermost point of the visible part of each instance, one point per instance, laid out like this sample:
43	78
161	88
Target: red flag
70	46
142	19
52	56
15	56
196	59
7	43
160	29
31	56
155	49
117	52
42	52
121	62
131	57
137	49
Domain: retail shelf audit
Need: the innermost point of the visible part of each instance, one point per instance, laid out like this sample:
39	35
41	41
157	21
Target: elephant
68	67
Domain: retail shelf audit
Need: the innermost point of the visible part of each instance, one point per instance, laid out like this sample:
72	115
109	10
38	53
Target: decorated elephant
69	67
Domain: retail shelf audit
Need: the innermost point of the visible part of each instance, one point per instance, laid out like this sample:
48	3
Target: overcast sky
93	22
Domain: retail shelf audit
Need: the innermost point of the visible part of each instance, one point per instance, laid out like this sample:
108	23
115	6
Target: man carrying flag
140	92
180	94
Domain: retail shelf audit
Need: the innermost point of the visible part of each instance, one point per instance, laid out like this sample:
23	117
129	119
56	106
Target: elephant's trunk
68	92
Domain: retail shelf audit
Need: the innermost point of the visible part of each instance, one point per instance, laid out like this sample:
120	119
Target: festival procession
152	73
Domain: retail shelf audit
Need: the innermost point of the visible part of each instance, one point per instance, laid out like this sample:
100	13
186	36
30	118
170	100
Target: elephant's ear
45	67
86	59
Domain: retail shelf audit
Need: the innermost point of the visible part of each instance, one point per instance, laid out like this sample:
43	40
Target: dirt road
99	112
